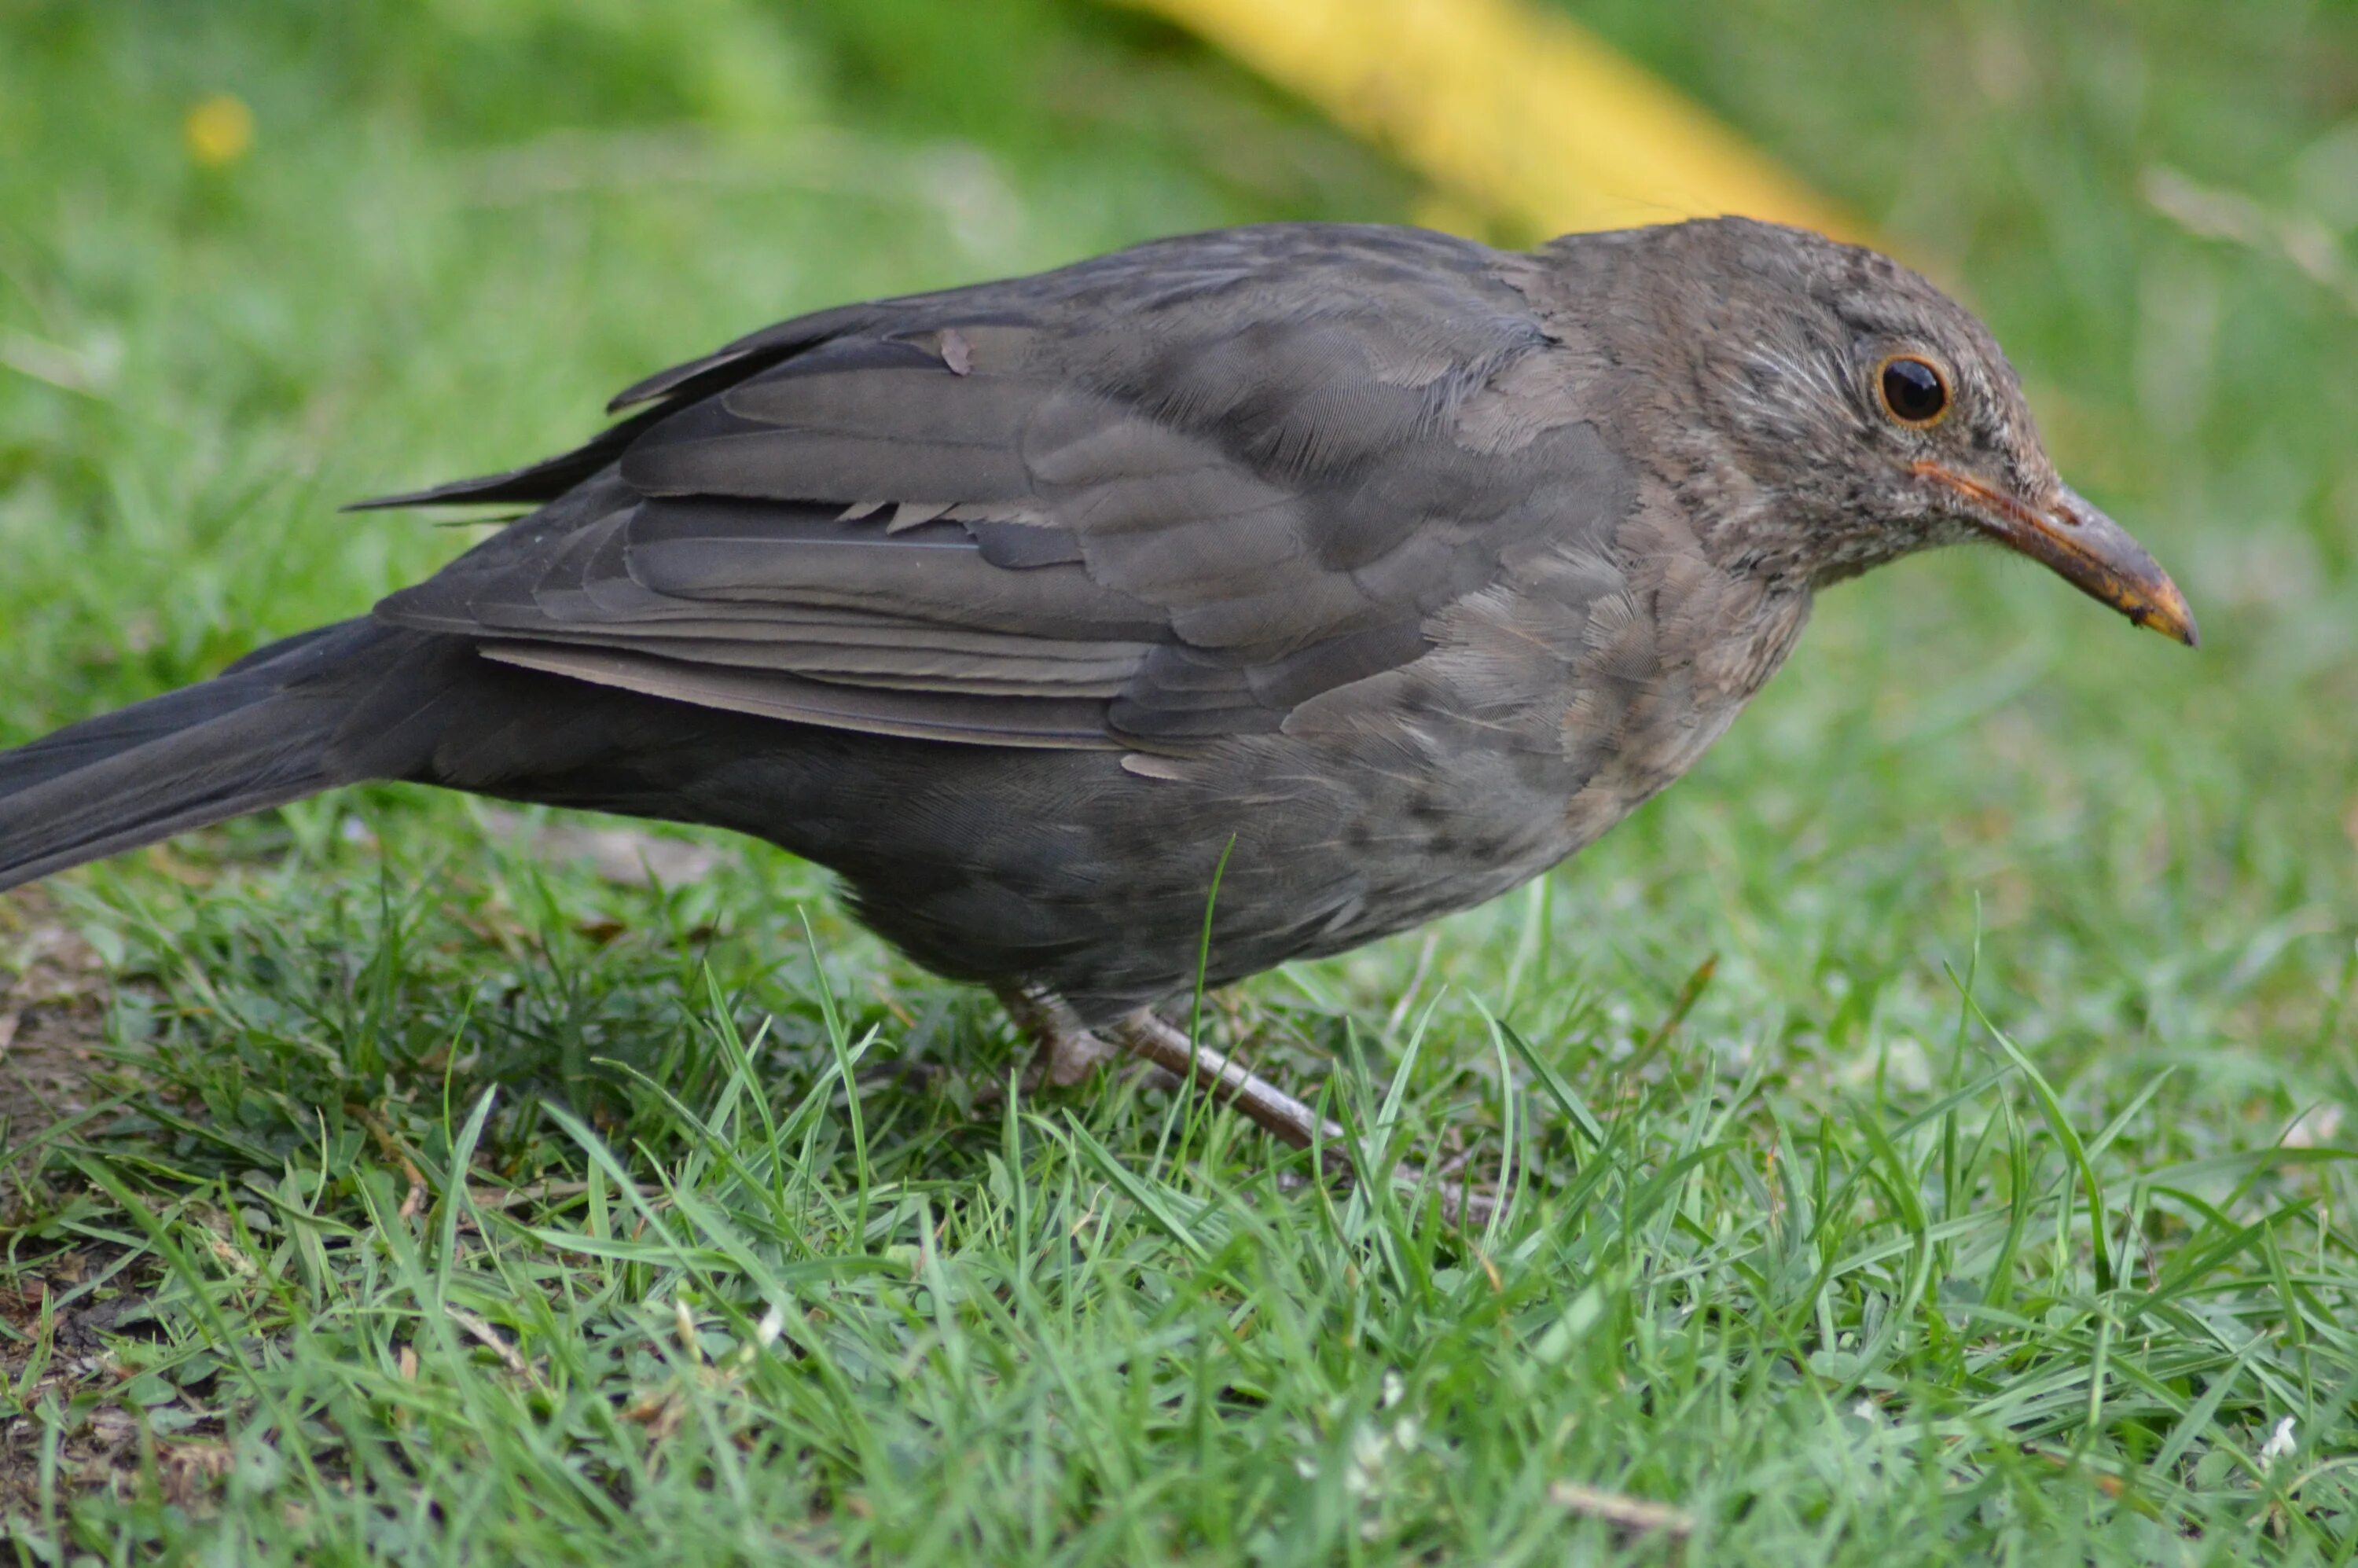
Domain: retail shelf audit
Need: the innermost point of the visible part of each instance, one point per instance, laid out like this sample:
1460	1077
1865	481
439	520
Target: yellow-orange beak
2083	547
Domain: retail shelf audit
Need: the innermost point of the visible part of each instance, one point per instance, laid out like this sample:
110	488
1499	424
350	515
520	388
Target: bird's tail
261	734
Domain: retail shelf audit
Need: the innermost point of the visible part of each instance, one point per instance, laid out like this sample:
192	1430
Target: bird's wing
1160	497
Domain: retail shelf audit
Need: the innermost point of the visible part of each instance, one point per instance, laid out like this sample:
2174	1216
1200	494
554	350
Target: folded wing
1147	502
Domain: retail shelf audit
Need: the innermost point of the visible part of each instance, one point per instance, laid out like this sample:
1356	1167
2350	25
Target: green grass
449	1200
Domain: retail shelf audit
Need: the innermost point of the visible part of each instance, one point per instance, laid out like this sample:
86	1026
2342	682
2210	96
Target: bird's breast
1705	640
1599	670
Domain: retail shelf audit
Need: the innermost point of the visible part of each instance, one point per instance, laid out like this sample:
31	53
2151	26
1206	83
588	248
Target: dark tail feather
261	735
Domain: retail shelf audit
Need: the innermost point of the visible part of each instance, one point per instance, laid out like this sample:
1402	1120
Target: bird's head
1870	416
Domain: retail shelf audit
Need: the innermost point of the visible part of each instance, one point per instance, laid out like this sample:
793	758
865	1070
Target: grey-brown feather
1201	511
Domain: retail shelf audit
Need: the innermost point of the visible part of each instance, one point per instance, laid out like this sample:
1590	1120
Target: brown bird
1366	570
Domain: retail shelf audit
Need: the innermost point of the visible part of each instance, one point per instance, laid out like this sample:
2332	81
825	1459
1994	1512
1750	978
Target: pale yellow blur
1517	116
218	130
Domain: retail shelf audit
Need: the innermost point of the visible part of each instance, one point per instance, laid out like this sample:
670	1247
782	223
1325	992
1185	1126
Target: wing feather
1148	501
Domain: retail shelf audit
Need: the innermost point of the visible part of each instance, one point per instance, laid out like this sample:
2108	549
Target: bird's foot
1068	1051
1065	1051
1267	1106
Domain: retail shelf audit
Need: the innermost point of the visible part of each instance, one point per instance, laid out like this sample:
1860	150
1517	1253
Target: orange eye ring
1914	390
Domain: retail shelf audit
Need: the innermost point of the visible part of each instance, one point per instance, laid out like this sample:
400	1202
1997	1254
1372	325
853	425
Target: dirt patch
53	996
89	1415
60	1310
105	1428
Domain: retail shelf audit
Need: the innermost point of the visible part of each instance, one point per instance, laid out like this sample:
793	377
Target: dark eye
1914	390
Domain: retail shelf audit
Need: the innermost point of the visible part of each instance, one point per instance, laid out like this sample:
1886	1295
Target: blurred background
258	259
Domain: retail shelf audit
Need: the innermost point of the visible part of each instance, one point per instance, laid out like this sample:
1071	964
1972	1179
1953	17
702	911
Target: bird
1140	625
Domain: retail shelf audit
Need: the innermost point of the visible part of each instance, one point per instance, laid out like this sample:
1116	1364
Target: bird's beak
2083	547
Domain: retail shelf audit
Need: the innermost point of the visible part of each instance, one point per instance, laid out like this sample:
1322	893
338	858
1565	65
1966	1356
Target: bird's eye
1914	390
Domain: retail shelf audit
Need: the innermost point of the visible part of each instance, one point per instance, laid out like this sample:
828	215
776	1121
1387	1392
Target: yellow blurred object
218	130
1514	112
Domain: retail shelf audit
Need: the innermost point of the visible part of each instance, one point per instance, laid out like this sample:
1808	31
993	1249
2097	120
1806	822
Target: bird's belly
1068	871
1099	879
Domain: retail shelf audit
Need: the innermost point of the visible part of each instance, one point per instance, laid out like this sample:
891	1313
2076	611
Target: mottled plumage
1389	567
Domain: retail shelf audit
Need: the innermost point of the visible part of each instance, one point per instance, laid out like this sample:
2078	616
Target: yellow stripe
1511	110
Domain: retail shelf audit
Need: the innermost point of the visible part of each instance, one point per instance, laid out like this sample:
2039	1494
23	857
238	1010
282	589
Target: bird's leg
1064	1051
1262	1102
1068	1051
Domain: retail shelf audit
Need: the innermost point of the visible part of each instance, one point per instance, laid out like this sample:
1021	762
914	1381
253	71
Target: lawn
1934	1118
